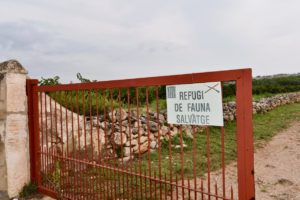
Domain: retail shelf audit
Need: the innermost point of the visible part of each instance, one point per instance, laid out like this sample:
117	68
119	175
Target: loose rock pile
132	135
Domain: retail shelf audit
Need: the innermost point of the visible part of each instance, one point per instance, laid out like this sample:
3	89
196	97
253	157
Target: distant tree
49	81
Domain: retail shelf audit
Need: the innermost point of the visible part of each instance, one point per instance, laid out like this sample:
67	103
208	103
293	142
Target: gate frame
244	124
34	131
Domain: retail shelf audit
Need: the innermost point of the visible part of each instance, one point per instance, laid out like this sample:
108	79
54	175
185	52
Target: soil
277	170
277	167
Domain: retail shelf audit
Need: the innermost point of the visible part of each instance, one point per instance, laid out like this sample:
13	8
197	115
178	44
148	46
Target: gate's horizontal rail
228	75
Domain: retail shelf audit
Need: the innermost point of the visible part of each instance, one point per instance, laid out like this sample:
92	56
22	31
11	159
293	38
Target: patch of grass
162	104
258	97
28	190
255	97
265	127
268	124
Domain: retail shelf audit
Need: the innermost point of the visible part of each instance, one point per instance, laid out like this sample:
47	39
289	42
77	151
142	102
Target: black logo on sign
171	92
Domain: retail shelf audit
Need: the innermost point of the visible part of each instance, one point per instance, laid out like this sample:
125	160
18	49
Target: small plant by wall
28	190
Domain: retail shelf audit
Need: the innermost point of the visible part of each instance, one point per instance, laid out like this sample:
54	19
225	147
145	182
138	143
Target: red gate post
33	125
245	154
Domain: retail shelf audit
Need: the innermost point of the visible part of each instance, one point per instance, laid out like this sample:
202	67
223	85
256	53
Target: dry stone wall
262	106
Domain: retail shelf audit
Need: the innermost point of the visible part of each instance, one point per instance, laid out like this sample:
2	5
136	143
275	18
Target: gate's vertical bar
51	134
114	163
84	122
72	123
46	140
91	125
98	125
105	171
170	160
155	195
216	191
130	138
166	189
189	189
208	160
139	141
223	150
177	187
245	156
42	159
223	161
202	190
182	162
148	134
122	151
194	162
33	125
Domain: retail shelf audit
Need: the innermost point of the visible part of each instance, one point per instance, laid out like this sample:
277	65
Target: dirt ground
277	169
277	166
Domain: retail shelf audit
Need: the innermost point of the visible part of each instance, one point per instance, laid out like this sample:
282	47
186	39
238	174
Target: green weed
28	190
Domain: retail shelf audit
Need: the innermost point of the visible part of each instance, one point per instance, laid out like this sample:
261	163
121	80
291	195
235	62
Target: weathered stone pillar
14	138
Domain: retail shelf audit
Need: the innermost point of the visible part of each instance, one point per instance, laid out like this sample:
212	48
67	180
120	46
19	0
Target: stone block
3	195
2	130
2	90
16	125
3	179
2	115
16	92
16	150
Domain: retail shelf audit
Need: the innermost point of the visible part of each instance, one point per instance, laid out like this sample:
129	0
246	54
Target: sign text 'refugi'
195	104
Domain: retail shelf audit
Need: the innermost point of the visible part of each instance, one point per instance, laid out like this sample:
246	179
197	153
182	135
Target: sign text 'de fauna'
195	104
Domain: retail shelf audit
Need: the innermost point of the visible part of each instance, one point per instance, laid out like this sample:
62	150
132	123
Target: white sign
195	104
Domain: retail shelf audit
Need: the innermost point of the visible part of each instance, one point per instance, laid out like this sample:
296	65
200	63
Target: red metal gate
110	140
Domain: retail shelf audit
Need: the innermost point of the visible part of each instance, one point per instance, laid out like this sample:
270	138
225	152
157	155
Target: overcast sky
117	39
